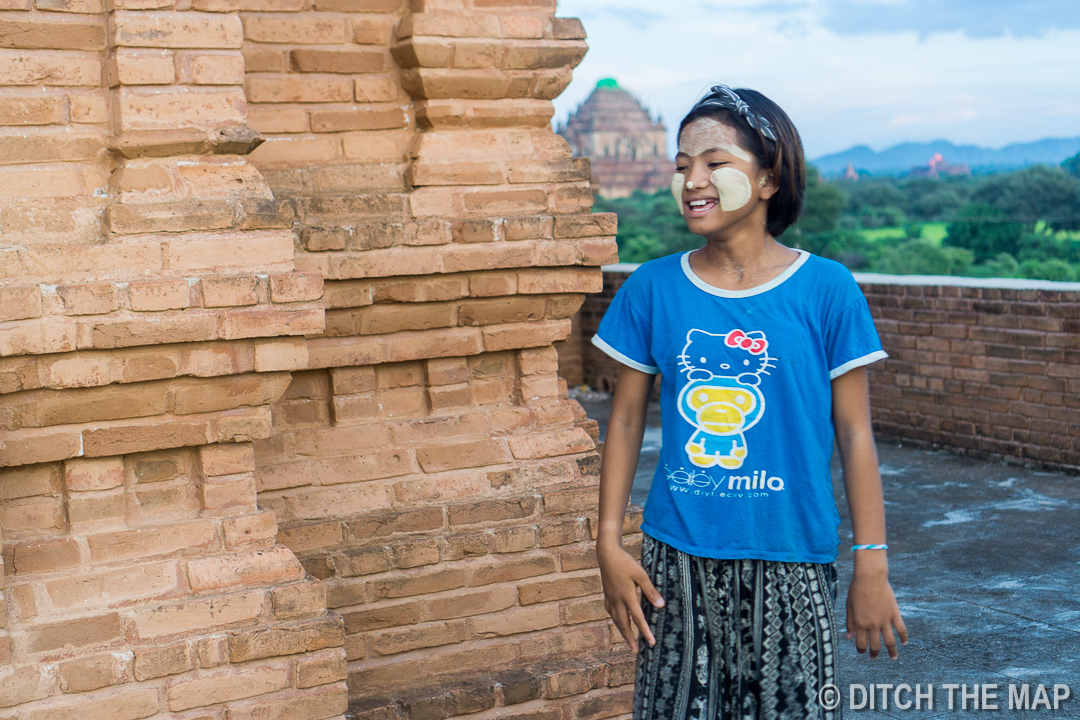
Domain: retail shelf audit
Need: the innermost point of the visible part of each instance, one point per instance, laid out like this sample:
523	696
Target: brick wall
242	382
990	367
428	466
151	313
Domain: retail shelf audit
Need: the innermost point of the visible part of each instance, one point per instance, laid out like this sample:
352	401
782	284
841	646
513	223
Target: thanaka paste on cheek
706	134
678	182
733	186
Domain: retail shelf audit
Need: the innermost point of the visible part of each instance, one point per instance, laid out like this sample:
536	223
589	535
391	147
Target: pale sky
848	72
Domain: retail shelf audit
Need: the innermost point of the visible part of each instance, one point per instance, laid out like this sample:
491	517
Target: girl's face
717	182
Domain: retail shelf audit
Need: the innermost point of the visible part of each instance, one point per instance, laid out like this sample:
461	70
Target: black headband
723	97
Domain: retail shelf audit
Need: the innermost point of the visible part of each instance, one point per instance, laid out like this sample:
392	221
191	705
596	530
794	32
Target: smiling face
715	176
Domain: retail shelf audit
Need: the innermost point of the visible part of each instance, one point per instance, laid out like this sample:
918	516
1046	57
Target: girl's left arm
872	612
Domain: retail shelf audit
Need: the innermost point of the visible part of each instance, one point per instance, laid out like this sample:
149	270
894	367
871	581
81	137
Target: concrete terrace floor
985	562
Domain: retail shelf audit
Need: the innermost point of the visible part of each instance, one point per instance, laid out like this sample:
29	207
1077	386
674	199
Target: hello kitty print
722	398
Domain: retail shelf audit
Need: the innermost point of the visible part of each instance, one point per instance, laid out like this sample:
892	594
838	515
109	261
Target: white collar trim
757	290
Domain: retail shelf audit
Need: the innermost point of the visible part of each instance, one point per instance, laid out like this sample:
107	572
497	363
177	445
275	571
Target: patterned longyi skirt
736	639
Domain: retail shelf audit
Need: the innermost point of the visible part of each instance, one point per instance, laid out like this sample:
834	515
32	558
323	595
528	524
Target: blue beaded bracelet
870	547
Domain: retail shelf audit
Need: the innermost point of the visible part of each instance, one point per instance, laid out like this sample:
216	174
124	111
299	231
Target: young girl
762	350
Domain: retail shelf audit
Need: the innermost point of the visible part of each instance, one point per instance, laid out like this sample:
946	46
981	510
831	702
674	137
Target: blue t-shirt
745	402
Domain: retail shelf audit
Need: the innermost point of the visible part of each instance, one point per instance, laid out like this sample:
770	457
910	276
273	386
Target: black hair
782	159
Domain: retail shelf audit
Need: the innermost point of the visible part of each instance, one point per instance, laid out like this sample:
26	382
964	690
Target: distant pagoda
628	149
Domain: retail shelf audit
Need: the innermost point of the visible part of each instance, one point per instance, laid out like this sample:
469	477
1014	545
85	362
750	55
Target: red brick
559	589
31	110
177	30
579	611
489	511
257	530
386	616
141	437
290	640
259	567
232	683
227	459
558	442
25	684
259	322
295	287
391	641
178	538
474	453
156	296
219	611
30	480
571	642
501	570
212	651
299	599
130	705
154	662
419	583
32	515
115	587
516	620
328	701
230	291
83	633
45	556
18	303
321	669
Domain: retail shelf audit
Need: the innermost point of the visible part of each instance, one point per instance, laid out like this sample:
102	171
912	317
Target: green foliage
919	257
875	195
983	229
1052	269
931	199
1002	266
1007	225
1034	194
848	247
823	204
1072	165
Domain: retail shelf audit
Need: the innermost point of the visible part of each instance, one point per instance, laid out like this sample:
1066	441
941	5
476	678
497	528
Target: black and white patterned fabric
736	639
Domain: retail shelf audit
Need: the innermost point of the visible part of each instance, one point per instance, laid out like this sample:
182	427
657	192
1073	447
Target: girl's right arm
620	573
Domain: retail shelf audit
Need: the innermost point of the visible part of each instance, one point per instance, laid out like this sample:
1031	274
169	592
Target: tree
1052	269
983	229
940	204
1072	165
1034	194
875	195
822	206
919	257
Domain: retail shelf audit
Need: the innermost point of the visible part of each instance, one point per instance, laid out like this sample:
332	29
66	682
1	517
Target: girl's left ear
767	184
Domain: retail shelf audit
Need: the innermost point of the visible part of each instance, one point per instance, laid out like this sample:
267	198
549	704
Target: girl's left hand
872	613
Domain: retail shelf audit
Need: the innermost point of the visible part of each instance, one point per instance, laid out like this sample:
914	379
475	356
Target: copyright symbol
828	697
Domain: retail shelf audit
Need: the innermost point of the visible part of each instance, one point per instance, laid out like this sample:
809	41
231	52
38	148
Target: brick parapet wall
990	367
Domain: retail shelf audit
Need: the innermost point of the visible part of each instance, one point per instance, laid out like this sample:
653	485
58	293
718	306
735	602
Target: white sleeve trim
858	362
599	342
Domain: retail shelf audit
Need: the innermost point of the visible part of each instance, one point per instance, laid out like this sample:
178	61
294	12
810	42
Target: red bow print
739	339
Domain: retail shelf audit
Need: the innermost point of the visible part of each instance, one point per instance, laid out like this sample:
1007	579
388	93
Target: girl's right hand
621	576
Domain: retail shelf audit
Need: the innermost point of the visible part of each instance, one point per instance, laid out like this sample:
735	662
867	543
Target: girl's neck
741	262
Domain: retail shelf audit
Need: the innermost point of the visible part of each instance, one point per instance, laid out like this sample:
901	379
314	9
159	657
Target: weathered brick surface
198	460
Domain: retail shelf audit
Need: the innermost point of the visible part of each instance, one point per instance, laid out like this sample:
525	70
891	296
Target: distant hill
901	158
